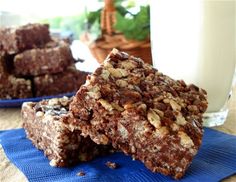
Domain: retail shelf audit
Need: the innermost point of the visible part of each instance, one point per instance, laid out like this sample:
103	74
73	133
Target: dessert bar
51	84
15	40
142	112
55	57
45	124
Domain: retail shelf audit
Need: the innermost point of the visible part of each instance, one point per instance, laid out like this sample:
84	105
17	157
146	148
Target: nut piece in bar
46	125
142	112
13	88
51	84
53	58
15	40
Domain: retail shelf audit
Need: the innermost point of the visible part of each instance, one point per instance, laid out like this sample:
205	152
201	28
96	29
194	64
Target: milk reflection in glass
196	41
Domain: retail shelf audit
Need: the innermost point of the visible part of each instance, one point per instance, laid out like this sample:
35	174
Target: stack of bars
132	106
32	63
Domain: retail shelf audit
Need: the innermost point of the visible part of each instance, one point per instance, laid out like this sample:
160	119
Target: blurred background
79	21
70	18
61	15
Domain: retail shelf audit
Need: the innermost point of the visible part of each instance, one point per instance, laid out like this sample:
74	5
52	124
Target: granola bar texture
142	112
45	124
51	84
15	40
54	57
12	87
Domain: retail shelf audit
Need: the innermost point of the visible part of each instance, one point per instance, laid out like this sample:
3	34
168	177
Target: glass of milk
196	41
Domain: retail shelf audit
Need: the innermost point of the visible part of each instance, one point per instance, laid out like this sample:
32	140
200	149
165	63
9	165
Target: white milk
196	41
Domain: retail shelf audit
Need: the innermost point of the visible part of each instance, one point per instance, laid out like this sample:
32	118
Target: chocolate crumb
111	165
81	173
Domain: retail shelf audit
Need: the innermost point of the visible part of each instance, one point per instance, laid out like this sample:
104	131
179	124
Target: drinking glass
196	41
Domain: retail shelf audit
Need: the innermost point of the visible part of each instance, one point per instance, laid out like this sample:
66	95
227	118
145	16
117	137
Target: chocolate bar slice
13	88
55	57
15	40
142	112
45	124
51	84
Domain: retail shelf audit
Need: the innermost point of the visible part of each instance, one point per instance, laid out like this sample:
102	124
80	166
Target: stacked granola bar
51	84
15	40
54	58
142	112
31	60
45	124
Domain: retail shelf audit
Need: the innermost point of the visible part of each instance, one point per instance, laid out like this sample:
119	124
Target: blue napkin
215	161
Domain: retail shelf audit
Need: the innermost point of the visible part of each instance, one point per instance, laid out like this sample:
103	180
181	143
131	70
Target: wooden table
10	118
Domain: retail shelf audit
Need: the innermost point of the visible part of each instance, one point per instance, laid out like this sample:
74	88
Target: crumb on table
81	173
111	165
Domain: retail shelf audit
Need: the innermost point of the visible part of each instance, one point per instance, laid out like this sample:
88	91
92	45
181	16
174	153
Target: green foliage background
134	26
75	24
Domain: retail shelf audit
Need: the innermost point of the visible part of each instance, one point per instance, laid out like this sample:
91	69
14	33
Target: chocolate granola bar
13	88
142	112
51	84
55	57
15	40
45	124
